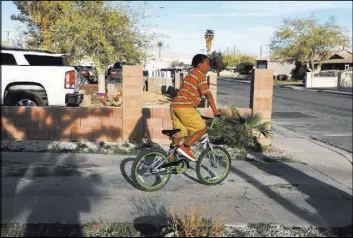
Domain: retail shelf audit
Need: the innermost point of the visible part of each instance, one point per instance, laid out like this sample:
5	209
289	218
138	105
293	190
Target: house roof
338	57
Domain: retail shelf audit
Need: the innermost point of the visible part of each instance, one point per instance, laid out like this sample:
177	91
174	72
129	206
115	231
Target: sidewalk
326	90
77	188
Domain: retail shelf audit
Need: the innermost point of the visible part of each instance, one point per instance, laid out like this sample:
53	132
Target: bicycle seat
170	132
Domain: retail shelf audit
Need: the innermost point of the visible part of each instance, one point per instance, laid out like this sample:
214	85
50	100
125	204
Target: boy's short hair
198	59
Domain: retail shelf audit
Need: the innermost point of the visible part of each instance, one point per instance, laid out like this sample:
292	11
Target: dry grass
290	82
194	224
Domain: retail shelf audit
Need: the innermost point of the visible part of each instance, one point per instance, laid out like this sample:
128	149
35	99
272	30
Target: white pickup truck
37	78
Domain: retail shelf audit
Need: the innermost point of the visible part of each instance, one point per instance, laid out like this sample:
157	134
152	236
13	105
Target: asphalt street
324	116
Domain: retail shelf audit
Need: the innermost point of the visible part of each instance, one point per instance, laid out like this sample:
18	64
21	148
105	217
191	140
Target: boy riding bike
183	108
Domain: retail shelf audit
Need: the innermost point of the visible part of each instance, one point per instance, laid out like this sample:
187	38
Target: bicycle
163	165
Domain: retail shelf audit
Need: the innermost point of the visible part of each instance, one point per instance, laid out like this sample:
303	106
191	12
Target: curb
235	80
338	150
315	90
293	87
336	92
345	154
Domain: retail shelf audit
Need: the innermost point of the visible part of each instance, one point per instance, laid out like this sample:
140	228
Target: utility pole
260	51
8	35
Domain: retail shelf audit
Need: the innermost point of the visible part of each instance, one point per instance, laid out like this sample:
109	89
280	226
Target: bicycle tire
135	174
202	156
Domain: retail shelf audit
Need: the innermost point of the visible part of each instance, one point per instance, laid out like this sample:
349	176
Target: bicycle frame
203	142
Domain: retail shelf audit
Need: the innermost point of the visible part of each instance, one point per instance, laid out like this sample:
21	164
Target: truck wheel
43	96
23	98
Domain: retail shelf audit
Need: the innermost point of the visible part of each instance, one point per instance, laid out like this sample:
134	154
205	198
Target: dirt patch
154	99
148	99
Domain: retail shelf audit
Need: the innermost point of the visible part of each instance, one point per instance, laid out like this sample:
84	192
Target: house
277	67
339	60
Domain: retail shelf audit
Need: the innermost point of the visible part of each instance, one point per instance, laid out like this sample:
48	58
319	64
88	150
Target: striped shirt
191	90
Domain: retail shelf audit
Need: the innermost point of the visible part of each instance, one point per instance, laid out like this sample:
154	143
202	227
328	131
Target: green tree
230	60
39	16
238	58
306	41
217	62
176	63
85	29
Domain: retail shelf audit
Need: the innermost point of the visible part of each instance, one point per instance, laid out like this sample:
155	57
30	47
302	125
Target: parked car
37	78
115	73
88	74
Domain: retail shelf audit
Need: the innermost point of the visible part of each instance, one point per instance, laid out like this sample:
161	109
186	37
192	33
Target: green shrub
240	131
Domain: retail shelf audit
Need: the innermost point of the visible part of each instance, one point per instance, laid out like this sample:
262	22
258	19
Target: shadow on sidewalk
151	216
327	209
124	168
52	191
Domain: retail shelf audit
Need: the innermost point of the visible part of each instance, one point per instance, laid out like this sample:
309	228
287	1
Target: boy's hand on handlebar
218	113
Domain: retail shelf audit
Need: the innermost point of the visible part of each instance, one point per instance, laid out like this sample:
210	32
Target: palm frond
253	119
235	113
240	131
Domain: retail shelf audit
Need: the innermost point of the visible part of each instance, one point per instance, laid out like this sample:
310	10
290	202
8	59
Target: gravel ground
129	230
124	148
69	147
272	230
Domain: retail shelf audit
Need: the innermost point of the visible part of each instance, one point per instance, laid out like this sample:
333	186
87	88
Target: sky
244	25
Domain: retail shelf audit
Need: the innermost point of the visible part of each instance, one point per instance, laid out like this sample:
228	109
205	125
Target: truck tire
43	95
23	98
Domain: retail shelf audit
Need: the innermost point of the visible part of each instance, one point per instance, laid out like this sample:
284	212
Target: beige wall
279	68
131	122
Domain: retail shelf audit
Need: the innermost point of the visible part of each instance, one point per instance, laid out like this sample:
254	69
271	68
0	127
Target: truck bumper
73	99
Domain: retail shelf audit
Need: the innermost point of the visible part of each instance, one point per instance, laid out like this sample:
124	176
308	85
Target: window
8	59
46	60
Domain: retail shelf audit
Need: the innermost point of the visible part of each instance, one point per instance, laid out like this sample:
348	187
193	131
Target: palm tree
209	35
240	131
160	44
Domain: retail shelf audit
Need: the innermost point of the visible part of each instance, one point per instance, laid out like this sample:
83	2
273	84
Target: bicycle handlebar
211	119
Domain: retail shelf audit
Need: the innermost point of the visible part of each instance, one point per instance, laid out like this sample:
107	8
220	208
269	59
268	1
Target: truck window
8	59
46	60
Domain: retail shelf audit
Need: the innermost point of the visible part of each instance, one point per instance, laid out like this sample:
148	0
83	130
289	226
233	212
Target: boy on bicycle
183	108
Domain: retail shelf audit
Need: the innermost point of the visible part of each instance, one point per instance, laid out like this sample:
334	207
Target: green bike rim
227	167
163	181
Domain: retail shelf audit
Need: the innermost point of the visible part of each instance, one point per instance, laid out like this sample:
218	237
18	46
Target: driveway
321	115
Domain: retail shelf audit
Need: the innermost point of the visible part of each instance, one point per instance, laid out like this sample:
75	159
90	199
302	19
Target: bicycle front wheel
147	172
213	166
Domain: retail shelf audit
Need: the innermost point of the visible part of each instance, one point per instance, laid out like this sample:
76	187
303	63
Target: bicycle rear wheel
213	167
146	171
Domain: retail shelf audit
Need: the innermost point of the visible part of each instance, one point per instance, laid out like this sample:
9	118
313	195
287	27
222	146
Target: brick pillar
261	96
213	86
132	103
177	80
